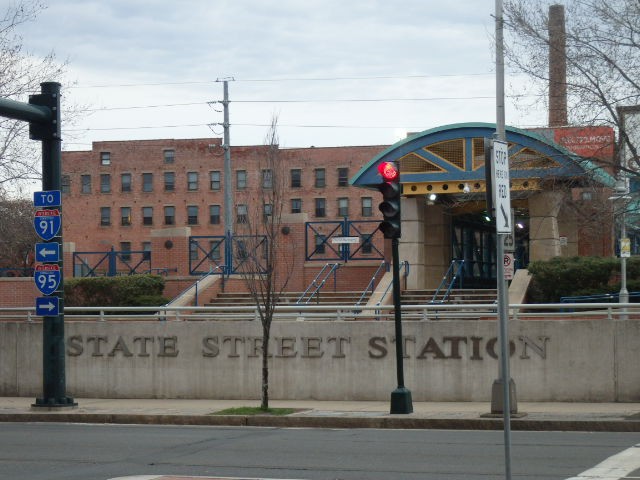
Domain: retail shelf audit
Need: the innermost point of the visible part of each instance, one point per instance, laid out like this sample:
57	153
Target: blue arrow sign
47	252
47	278
47	223
47	306
48	198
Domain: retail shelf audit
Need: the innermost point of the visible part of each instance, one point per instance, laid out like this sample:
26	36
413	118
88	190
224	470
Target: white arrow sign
501	187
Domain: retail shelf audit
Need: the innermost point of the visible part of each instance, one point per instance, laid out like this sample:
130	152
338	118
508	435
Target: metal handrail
371	284
318	312
404	266
318	284
196	284
443	282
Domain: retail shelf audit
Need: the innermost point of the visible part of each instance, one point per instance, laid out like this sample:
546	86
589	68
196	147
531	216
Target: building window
343	207
214	250
105	158
147	215
125	182
192	215
146	247
214	214
267	211
296	205
105	216
125	251
343	177
169	181
367	246
147	182
241	214
169	215
193	250
169	156
85	183
65	184
320	177
105	183
192	181
296	178
320	242
241	179
367	206
321	207
214	180
125	216
267	178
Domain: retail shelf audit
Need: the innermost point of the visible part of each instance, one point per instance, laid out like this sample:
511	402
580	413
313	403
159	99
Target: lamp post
621	193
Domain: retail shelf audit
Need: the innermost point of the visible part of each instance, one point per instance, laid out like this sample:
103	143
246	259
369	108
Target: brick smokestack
557	67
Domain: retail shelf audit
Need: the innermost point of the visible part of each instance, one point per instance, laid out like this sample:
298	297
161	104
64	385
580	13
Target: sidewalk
615	417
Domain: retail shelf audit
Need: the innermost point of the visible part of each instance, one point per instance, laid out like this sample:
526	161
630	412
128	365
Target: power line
284	79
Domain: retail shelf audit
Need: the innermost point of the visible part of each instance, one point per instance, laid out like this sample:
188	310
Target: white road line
616	467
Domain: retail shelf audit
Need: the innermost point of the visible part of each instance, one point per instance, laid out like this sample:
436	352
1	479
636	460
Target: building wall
169	243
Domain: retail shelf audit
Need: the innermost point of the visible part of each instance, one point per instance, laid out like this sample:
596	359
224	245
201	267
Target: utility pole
228	180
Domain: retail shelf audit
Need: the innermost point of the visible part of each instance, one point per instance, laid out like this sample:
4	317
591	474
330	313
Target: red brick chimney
557	67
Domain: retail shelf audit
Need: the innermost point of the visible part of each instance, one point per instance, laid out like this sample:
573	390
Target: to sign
47	252
501	186
49	198
47	278
47	306
47	223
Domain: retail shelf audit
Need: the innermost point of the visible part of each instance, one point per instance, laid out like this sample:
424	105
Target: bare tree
17	235
20	74
602	58
260	245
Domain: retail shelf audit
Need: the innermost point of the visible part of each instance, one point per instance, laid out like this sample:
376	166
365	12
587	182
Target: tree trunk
264	404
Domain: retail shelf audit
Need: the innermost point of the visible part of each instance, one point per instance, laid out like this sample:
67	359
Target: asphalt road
98	452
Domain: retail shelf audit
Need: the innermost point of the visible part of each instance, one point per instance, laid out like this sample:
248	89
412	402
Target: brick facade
116	195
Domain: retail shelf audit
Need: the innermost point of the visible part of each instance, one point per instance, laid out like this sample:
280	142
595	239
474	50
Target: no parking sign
509	267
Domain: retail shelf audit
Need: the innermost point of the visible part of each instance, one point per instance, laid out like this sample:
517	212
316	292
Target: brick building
167	197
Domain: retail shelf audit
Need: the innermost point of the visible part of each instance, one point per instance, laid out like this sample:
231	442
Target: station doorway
473	239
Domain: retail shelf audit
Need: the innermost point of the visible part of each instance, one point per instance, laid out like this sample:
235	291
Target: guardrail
427	312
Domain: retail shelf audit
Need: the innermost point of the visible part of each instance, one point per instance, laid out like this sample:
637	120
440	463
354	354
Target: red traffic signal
389	172
390	205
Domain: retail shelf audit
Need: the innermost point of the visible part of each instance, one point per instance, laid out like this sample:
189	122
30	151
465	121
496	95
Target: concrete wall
588	360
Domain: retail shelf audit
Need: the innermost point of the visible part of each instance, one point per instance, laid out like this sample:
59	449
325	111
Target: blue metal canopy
450	159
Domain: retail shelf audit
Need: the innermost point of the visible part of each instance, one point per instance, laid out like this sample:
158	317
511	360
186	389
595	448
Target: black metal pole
401	396
53	359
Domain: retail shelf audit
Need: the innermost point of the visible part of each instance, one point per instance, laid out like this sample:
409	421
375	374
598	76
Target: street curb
339	422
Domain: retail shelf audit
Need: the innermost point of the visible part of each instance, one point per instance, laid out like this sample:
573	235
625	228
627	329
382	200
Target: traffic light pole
401	396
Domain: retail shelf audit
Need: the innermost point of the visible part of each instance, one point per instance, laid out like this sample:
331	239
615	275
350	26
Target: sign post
43	114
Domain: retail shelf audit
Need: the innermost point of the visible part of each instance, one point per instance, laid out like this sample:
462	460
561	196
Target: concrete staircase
234	299
456	297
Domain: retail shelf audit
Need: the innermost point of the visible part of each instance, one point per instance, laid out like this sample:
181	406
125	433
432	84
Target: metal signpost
43	114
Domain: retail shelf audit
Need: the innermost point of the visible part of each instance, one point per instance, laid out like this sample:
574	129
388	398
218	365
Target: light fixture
520	225
466	188
432	197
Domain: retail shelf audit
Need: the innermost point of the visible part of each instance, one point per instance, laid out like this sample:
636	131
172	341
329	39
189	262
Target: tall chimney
557	67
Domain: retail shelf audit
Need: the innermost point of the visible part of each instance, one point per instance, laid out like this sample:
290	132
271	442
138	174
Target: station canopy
451	160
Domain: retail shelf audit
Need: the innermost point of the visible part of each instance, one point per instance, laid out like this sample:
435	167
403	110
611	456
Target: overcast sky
291	58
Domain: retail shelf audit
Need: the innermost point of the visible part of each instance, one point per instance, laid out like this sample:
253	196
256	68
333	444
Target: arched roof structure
451	159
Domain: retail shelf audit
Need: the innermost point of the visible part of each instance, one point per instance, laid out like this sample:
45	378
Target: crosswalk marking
616	467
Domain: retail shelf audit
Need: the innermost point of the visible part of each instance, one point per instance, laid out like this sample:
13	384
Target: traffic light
390	205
